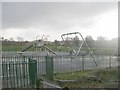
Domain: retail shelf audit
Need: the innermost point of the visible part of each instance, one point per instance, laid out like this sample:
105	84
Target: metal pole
83	62
109	62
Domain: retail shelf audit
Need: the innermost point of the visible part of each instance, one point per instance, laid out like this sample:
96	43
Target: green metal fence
49	67
33	72
19	72
27	71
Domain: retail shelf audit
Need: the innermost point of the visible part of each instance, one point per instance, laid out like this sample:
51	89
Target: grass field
15	48
102	78
19	47
55	48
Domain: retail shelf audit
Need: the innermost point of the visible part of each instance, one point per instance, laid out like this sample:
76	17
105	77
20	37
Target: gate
49	67
33	72
19	72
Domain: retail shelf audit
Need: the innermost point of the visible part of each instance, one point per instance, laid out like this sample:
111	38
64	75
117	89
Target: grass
54	47
15	48
11	48
102	78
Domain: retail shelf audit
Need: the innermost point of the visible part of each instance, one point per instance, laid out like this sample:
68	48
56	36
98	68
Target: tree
101	42
89	40
67	41
101	38
11	39
20	39
1	38
56	42
76	40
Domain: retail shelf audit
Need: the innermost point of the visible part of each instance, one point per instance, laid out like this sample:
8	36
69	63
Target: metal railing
23	72
18	72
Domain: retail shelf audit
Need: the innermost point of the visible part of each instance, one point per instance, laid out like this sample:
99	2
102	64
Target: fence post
49	67
83	62
5	75
109	61
33	72
23	69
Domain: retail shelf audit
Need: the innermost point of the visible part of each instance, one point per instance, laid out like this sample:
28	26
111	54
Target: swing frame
83	42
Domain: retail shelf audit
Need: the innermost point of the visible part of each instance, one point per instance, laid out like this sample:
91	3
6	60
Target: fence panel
49	67
19	72
33	72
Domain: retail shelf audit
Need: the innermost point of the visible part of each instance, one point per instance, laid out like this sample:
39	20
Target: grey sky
51	18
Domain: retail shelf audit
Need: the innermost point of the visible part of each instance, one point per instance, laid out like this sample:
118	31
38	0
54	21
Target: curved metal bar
81	44
88	49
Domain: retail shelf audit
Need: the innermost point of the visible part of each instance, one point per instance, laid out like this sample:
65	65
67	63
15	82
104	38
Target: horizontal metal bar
43	82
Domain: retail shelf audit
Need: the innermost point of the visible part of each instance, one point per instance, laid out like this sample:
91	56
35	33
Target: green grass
103	78
54	47
11	48
15	48
73	75
20	47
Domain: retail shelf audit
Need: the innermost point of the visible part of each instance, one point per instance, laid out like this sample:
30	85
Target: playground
72	68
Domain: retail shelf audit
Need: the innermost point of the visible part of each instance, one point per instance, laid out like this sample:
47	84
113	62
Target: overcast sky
30	19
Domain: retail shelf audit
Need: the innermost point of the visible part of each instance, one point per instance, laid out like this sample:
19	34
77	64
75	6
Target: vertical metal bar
23	70
83	62
58	61
46	65
15	70
26	70
27	75
13	74
33	72
35	66
7	74
49	67
109	62
16	66
29	62
52	68
10	74
3	74
20	73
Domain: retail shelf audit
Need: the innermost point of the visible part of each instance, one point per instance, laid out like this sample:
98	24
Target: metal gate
49	67
19	72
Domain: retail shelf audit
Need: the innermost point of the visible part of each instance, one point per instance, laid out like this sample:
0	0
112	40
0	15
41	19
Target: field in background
100	51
